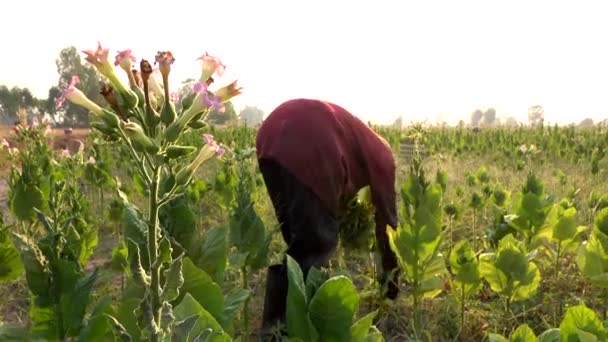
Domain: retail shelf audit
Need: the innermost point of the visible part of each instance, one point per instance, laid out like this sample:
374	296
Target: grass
485	312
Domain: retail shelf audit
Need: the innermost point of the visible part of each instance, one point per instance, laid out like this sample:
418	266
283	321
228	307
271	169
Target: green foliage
323	308
417	239
11	267
579	324
509	271
592	258
465	267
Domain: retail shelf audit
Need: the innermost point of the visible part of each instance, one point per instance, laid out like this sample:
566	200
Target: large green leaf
24	198
11	266
189	307
298	324
580	320
523	334
465	267
201	287
74	304
35	265
233	301
550	335
97	328
136	229
565	228
333	308
214	254
361	328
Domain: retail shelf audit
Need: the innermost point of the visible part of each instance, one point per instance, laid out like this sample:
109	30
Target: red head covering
331	151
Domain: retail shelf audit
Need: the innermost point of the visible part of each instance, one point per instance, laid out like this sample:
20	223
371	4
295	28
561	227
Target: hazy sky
380	59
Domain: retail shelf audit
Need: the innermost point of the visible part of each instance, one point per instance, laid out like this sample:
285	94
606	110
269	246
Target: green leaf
233	301
591	261
565	228
180	221
44	323
333	308
523	334
120	260
492	275
165	250
314	280
97	328
550	335
119	330
581	319
214	254
297	319
361	328
74	304
174	279
181	330
11	266
136	230
35	265
189	307
138	272
493	337
527	287
201	287
24	198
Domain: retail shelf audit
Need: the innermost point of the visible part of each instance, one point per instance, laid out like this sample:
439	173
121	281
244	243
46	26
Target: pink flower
99	57
125	59
220	151
65	153
74	95
209	100
70	88
208	138
229	91
164	58
211	65
35	123
91	160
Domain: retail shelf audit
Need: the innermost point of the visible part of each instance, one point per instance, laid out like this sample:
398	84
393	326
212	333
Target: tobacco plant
142	117
417	239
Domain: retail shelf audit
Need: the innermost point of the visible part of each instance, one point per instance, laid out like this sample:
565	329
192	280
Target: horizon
435	61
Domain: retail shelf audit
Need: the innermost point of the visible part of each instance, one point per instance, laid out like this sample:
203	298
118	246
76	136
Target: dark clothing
313	156
309	229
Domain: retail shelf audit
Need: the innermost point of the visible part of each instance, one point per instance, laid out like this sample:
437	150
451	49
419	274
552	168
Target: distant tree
489	117
511	122
14	99
69	64
536	115
586	123
222	118
398	123
476	117
251	116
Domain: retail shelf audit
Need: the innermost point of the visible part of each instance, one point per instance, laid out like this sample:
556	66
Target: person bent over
314	156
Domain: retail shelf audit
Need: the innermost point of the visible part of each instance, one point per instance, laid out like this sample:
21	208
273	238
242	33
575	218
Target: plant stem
153	251
244	276
474	229
462	307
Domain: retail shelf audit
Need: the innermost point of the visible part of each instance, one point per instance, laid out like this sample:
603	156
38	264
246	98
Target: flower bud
174	152
110	118
136	133
167	112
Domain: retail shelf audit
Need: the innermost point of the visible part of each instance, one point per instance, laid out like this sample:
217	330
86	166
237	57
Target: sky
421	60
